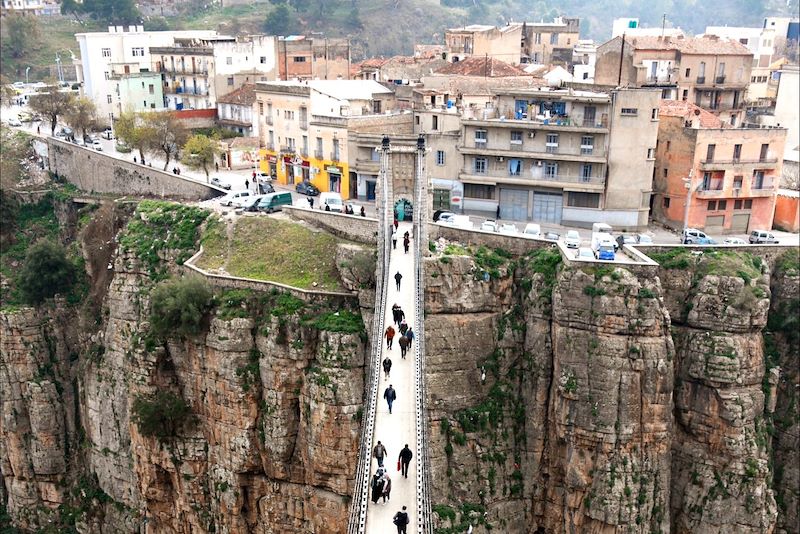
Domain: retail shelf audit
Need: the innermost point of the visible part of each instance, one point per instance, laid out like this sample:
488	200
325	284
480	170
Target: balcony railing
525	176
318	154
511	118
287	148
739	161
520	152
270	147
759	185
660	79
335	155
701	79
719	79
188	91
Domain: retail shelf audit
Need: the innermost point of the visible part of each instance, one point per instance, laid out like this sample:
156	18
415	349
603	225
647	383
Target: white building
631	28
584	57
32	7
121	49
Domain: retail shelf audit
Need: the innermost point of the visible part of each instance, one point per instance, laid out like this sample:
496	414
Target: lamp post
27	69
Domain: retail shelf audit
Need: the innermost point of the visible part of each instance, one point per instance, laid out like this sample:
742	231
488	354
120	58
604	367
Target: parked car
215	181
605	250
439	214
705	241
265	188
78	141
234	198
508	229
532	230
307	188
572	239
13	121
25	116
274	202
107	134
122	147
762	237
584	253
263	176
644	239
97	145
693	236
552	236
250	203
331	202
446	217
734	241
489	226
628	239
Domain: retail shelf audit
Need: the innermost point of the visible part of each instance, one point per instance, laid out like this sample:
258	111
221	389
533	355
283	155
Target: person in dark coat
400	316
403	342
377	485
405	459
363	213
401	521
403	327
387	366
247	184
410	336
406	243
398	277
379	451
390	395
395	307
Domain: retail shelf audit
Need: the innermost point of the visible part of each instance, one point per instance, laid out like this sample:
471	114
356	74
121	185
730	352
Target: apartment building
440	125
313	58
735	172
303	128
561	156
632	27
550	43
710	72
484	41
235	110
31	7
197	70
120	52
584	57
136	91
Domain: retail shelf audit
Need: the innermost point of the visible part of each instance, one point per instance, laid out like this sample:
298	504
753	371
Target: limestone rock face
455	284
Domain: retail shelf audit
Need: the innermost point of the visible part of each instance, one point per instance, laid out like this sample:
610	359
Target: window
262	60
551	170
319	148
669	143
721	69
706	181
440	157
583	200
586	172
764	152
290	143
108	98
230	80
376	109
587	144
688	73
629	111
748	204
479	191
480	137
336	155
665	204
260	109
288	115
651	153
552	142
758	180
107	75
516	137
685	94
229	60
722	204
666	171
712	205
654	114
701	75
151	89
737	181
737	204
553	38
106	52
480	165
137	51
514	167
435	122
538	38
299	59
710	152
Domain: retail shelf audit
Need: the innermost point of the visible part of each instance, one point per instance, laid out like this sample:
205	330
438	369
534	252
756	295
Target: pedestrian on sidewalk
401	521
254	176
396	224
410	336
394	238
135	160
389	337
395	308
387	366
403	342
377	485
311	201
179	171
398	276
403	328
247	184
38	129
379	451
216	165
390	395
406	242
400	316
387	486
405	459
363	212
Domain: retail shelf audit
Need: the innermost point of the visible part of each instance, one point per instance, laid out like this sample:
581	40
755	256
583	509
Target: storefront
334	178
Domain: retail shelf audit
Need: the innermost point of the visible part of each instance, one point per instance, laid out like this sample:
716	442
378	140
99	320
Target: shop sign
333	169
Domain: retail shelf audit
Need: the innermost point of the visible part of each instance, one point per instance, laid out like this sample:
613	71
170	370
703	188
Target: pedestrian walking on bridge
390	395
410	336
398	277
405	459
389	337
379	451
401	521
403	342
387	366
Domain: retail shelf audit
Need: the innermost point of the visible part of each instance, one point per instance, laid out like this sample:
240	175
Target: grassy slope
266	248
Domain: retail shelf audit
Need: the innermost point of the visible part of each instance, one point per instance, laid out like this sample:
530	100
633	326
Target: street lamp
27	69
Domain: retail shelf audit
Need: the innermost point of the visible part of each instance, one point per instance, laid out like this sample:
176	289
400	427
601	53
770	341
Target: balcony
712	193
722	164
289	149
318	154
268	120
660	80
519	152
719	79
592	183
270	147
762	188
179	90
701	80
335	155
511	119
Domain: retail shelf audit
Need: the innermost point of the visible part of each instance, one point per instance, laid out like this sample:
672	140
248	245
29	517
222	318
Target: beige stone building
550	43
561	156
710	72
485	41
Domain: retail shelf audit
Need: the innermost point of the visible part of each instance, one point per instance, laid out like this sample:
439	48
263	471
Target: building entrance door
441	199
514	204
403	210
740	223
547	207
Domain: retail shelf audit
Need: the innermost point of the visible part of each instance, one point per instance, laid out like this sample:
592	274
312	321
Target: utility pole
621	55
689	190
663	25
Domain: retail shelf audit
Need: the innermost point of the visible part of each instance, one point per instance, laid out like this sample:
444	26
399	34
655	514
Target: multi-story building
729	176
632	28
303	128
120	50
31	7
197	70
135	91
235	110
584	57
484	41
307	58
441	127
549	43
561	156
712	73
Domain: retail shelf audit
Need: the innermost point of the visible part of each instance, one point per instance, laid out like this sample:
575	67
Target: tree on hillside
82	116
45	272
279	21
52	105
199	152
20	33
131	128
168	134
111	11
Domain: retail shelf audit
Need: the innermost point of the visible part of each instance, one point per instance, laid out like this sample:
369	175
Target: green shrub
593	291
160	414
646	293
177	306
45	272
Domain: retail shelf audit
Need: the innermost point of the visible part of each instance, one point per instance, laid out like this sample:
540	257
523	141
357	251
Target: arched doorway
403	210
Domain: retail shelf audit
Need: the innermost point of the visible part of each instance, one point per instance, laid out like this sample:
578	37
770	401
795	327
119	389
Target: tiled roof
244	96
687	111
373	62
482	66
690	45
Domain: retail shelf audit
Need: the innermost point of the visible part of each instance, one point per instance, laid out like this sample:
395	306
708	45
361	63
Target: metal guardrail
358	510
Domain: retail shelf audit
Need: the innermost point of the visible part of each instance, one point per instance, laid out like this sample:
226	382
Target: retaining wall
96	172
351	227
513	244
768	253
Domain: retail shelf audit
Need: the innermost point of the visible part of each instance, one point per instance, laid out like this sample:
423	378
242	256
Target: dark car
307	188
264	188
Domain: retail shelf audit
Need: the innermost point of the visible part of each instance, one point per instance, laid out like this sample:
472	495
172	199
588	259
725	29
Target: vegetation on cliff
178	306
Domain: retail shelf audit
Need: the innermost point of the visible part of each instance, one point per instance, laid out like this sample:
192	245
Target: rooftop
687	111
244	96
338	89
481	66
690	45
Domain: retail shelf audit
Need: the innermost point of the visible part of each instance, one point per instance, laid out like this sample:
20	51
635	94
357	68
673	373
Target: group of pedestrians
406	239
381	485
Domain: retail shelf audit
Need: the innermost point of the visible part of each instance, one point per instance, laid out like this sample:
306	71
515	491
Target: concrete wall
787	214
513	244
352	227
100	173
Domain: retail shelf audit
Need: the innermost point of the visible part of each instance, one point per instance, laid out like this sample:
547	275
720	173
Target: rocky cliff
574	398
270	389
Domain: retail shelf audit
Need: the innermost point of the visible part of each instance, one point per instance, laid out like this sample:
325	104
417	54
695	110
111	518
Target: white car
532	230
489	226
734	241
13	121
234	198
263	176
508	229
78	141
572	239
97	146
584	253
644	239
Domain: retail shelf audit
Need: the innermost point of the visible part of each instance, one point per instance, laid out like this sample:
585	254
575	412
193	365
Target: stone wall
96	172
352	227
513	244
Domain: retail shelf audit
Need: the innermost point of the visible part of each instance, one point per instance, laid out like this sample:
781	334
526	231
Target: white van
331	202
234	198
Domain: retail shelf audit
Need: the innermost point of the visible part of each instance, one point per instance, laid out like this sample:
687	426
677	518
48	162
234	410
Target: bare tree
167	132
131	128
83	115
52	105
